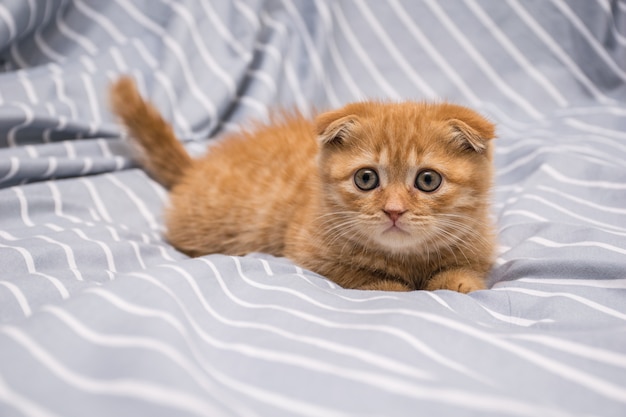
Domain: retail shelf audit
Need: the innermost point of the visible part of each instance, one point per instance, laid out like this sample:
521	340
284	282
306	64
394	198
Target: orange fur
288	188
164	157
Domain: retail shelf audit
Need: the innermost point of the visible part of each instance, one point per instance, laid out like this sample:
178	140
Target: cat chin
397	240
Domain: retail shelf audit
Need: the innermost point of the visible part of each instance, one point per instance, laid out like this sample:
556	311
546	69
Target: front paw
460	280
385	285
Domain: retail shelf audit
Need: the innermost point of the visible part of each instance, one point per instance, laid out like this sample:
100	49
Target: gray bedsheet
101	317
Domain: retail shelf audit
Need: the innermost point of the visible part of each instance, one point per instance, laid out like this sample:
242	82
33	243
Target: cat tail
161	153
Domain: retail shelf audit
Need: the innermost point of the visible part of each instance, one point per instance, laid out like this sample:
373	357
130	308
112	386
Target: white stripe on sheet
8	20
519	57
471	400
162	395
398	57
507	90
374	72
176	49
558	51
20	403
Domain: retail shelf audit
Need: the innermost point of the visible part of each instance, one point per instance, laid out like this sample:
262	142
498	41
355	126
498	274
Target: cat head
403	175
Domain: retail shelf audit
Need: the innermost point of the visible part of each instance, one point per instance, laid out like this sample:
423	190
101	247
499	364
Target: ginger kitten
377	196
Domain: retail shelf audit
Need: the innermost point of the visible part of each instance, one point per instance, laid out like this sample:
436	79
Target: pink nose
394	215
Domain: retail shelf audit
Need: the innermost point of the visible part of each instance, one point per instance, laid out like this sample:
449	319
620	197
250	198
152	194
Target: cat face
404	177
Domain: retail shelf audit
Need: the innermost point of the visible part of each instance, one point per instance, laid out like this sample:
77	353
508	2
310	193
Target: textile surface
100	316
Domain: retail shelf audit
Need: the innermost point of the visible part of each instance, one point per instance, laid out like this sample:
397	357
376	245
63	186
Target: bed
100	316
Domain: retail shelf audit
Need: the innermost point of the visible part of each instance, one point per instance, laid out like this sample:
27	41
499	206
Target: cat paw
469	286
386	285
460	280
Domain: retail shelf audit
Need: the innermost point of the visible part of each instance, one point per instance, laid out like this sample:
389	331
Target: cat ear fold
472	134
335	127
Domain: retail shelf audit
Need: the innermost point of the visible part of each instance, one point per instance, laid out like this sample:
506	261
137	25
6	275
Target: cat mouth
394	237
395	228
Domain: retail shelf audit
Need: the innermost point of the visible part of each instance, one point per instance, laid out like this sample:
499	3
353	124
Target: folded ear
335	127
470	129
469	137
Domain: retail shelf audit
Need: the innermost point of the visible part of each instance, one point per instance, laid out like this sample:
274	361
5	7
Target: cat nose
394	215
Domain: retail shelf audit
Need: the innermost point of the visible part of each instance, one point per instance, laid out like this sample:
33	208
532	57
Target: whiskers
433	238
341	226
458	234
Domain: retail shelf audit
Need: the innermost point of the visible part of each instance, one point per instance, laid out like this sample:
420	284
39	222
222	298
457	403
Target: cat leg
461	280
385	285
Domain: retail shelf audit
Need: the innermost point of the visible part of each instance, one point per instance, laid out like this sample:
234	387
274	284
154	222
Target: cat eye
366	179
428	181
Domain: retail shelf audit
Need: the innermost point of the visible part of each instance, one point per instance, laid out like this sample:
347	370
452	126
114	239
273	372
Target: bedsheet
99	316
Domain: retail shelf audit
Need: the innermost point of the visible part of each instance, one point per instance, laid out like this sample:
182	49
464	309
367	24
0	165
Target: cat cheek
462	200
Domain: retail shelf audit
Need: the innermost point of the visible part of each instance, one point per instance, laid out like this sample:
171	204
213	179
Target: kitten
377	196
